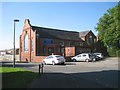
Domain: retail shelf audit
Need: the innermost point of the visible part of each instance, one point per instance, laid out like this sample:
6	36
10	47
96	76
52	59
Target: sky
71	16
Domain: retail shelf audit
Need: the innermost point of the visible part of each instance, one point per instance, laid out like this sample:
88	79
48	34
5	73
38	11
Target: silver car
84	57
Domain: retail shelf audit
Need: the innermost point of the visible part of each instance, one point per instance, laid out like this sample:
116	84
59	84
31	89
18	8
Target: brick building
39	42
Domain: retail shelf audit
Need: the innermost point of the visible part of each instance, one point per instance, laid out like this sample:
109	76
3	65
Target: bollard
39	68
42	65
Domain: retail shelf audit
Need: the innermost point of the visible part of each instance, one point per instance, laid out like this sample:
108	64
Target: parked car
99	55
84	57
54	59
95	56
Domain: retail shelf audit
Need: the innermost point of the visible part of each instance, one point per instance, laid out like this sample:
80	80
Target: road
101	74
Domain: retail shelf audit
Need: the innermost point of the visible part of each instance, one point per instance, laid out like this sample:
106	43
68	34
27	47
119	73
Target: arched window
26	43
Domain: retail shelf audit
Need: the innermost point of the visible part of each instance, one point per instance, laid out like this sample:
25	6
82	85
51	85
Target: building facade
38	42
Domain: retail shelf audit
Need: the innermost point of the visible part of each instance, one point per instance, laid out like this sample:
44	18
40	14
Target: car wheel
53	63
87	60
94	60
74	60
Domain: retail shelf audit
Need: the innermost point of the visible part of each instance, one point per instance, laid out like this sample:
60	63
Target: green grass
16	77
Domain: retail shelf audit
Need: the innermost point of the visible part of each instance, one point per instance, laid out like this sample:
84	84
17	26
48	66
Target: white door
83	57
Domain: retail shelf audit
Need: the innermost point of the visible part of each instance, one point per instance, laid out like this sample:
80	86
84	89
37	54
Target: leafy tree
109	27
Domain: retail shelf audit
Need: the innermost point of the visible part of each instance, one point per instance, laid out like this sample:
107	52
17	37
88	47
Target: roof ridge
55	29
85	31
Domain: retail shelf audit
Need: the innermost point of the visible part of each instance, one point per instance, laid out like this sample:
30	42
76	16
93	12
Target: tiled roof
55	33
83	33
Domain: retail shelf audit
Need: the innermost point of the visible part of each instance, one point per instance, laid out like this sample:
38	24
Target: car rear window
58	56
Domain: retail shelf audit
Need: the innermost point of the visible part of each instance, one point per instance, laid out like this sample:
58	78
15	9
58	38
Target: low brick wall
38	58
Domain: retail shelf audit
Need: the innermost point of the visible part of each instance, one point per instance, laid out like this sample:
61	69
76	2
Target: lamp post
16	20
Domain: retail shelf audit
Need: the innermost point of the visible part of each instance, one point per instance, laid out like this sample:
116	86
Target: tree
109	27
99	47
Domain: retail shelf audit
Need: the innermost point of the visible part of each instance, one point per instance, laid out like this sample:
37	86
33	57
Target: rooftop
56	33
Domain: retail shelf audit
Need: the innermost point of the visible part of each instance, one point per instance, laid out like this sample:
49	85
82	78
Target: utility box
69	51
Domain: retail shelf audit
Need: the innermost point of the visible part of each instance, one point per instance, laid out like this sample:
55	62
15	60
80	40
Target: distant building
2	52
11	51
39	42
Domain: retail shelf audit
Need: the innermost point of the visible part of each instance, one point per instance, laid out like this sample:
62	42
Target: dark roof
83	33
55	33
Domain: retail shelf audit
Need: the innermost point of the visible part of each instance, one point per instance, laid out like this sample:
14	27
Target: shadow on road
67	63
10	64
100	79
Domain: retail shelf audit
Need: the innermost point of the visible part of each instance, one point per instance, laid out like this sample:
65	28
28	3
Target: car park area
74	67
100	74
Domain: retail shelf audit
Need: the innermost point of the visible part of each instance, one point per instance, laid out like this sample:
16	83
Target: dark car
95	56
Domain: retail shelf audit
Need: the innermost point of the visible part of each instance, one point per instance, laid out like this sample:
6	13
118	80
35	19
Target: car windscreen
92	55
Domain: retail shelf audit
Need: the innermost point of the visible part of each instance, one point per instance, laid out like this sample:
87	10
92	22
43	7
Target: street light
16	20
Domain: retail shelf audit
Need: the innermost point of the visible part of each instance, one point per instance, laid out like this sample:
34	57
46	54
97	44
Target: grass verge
16	77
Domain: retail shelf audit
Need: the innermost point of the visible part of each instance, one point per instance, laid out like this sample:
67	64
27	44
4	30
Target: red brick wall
31	35
29	56
38	58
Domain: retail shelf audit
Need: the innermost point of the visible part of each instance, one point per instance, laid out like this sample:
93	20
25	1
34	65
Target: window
62	43
76	43
90	39
50	50
62	50
58	49
48	41
51	41
44	50
58	56
69	43
78	55
84	55
81	43
26	43
32	45
49	57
